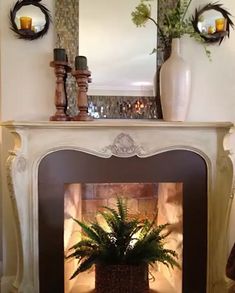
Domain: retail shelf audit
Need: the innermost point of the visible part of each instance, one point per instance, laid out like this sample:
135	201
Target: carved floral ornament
124	146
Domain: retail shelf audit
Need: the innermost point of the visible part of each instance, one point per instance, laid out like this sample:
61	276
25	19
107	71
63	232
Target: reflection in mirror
29	19
212	22
118	53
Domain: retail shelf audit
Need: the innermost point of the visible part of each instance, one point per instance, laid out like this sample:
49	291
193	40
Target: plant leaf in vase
123	240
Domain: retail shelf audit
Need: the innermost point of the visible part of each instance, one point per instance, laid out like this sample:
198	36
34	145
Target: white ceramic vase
175	85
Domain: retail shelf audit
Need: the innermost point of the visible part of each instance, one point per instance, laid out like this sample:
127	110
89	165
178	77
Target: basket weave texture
121	279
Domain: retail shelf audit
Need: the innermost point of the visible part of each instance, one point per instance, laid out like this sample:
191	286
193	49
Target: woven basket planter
121	279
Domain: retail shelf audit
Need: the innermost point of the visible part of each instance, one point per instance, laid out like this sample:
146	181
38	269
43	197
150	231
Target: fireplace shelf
110	123
27	145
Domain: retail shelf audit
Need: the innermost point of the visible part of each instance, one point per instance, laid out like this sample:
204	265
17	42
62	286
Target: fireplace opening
162	202
75	184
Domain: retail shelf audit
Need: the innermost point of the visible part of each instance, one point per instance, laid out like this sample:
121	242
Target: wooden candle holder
82	78
61	69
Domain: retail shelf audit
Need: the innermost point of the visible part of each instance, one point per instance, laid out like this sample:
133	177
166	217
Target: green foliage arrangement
175	24
119	243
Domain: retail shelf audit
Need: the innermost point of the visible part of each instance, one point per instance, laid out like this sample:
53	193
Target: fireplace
69	166
51	160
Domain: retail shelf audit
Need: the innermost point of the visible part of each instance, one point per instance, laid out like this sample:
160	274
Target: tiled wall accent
124	107
142	198
67	30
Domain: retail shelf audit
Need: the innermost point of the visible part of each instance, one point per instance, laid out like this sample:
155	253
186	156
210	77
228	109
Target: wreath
217	36
22	34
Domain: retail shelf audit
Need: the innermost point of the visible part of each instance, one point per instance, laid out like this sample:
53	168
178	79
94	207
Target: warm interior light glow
144	200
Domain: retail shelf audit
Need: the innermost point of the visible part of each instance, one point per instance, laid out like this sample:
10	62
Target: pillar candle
81	63
220	24
25	23
60	54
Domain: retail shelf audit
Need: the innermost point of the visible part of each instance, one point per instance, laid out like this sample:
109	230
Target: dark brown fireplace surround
70	166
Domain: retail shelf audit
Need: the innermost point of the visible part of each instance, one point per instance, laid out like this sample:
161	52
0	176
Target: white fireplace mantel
106	138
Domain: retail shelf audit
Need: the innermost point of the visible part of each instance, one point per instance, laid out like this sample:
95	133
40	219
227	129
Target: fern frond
102	234
85	265
113	212
88	231
112	222
84	242
122	208
81	253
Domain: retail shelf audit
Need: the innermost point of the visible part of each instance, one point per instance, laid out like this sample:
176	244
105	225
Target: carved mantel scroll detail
124	146
11	188
9	164
21	164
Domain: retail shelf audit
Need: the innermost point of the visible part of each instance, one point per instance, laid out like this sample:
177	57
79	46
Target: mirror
29	19
118	53
212	22
114	89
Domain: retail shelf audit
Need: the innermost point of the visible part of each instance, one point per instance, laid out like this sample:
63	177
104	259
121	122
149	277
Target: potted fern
122	252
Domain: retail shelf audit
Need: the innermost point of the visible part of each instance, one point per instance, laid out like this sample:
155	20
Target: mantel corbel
17	177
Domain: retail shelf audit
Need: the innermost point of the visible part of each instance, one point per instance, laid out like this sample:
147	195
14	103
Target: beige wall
213	83
27	81
26	93
213	87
